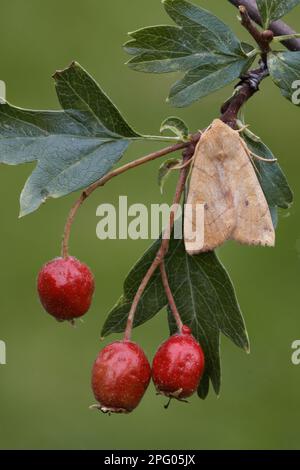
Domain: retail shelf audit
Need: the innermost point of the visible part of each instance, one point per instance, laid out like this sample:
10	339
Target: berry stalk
101	182
170	297
164	247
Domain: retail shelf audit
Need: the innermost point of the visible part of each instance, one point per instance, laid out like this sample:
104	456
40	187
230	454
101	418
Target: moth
224	182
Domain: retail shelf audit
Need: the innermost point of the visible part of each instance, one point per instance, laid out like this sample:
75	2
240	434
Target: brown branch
101	182
164	247
250	82
247	87
263	38
279	28
170	297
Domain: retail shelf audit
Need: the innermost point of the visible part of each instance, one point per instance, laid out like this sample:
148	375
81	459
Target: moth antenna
179	167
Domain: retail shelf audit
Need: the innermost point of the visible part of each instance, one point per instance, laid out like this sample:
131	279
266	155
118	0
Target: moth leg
241	129
252	155
267	160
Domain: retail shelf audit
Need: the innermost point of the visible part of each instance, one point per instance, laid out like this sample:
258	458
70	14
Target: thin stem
88	191
279	28
170	297
263	38
164	247
157	138
247	87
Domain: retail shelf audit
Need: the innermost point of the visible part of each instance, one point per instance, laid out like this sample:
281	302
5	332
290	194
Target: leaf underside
177	126
284	68
201	46
205	298
272	10
73	148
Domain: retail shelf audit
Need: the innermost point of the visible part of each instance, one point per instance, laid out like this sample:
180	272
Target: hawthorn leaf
177	126
274	215
206	300
205	79
200	45
272	10
247	48
271	177
73	148
204	296
284	68
165	170
152	301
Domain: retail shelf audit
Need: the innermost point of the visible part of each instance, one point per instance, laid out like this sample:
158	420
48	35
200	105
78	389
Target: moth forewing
194	227
224	181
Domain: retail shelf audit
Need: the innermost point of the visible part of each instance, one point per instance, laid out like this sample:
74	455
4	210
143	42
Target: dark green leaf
204	80
73	148
200	44
206	301
152	301
247	48
177	126
270	175
284	69
274	215
82	98
165	170
272	10
203	293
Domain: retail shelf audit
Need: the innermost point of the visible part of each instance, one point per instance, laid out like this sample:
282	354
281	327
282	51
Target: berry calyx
178	366
65	287
120	377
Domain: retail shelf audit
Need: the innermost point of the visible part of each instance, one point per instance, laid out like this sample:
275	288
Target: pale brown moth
224	180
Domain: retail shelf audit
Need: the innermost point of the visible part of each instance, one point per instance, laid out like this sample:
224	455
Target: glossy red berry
120	377
178	365
65	287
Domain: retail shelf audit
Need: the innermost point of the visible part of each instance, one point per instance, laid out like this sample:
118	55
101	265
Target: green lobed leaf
200	45
272	10
284	68
152	301
205	79
73	148
177	126
204	295
271	177
165	170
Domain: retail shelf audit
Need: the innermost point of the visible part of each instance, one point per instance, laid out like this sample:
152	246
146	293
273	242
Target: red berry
120	377
65	288
178	365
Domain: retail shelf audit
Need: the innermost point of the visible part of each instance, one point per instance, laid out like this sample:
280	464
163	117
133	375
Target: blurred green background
45	386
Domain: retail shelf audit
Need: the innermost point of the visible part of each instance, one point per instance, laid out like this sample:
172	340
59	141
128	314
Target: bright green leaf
73	148
272	10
